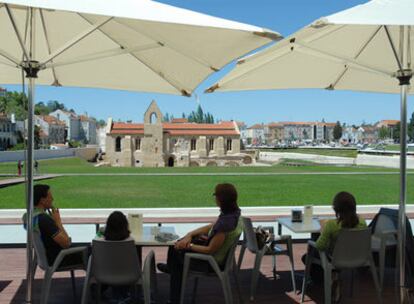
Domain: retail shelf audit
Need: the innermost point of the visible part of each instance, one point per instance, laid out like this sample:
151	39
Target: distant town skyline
251	107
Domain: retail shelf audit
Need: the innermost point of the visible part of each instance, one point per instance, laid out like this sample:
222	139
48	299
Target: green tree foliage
383	132
337	131
14	103
411	128
199	116
396	132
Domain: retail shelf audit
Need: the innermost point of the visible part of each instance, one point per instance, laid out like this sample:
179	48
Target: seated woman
219	237
344	205
117	229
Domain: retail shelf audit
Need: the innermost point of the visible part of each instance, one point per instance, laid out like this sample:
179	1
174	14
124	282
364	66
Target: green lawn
328	152
76	165
196	191
116	191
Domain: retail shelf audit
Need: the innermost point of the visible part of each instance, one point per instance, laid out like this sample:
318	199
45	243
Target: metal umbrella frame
166	55
344	51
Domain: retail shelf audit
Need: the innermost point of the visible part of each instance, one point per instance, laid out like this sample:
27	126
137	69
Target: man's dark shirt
48	230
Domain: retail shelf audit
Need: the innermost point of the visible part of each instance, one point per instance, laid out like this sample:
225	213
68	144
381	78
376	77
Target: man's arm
61	237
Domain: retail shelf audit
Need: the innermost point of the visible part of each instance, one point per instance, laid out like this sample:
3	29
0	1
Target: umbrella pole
29	193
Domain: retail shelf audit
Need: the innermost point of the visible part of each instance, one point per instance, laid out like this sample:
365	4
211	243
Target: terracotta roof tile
184	129
179	120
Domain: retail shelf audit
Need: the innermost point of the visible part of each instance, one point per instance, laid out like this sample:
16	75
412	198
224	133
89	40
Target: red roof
389	122
179	120
256	126
52	120
180	129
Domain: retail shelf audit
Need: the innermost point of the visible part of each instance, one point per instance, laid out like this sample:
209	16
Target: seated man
46	220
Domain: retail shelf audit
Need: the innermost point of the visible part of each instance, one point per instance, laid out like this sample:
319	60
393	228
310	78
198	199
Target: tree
101	123
337	131
37	140
411	128
383	132
14	103
396	132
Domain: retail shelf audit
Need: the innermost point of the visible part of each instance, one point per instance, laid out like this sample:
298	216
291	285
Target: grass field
196	191
76	165
328	152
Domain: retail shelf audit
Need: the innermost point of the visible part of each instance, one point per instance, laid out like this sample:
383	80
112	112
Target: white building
52	129
8	135
72	122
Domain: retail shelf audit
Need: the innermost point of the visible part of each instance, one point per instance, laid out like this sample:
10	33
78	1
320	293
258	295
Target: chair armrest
312	244
65	252
322	254
203	257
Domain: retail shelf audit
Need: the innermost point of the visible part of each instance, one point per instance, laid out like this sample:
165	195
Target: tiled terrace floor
12	283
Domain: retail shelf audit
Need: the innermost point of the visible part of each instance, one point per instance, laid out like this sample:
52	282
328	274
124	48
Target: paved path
19	180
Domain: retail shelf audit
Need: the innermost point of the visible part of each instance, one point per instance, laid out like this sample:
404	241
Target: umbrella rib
42	18
104	54
76	39
393	48
364	46
171	46
342	59
175	86
17	32
10	57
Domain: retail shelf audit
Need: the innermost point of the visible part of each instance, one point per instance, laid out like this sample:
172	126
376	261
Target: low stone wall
389	161
320	159
14	156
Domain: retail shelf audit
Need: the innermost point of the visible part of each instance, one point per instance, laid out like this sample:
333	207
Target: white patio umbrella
365	48
134	45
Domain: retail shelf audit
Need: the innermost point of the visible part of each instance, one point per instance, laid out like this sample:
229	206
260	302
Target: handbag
262	236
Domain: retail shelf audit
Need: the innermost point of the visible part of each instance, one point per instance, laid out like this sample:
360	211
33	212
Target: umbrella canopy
365	48
124	44
349	50
134	45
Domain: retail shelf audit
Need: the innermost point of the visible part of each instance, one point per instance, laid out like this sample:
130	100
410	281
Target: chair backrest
249	235
149	276
40	251
384	223
230	259
352	248
115	262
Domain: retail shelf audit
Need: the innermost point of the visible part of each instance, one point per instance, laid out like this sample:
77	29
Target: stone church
173	144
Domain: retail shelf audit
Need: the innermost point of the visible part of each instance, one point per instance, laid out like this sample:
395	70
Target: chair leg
381	267
98	293
255	275
186	268
292	263
306	276
195	286
327	275
375	278
241	255
225	282
274	266
237	282
47	281
85	290
72	277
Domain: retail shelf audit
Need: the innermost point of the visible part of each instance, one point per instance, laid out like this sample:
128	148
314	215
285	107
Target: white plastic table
312	226
147	237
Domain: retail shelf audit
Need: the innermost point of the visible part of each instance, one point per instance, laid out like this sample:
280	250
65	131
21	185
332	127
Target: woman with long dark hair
344	205
116	228
215	239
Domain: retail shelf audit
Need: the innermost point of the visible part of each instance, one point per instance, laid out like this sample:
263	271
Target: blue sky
284	16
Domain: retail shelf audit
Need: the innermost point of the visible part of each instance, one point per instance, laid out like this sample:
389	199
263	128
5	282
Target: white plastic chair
222	274
352	250
116	263
40	259
384	237
272	248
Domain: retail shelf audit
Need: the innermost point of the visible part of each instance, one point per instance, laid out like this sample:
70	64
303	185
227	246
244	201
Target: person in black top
47	220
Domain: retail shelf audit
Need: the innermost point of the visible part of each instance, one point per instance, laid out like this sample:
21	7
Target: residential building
8	135
88	129
178	143
72	122
274	133
390	124
52	129
255	135
2	92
